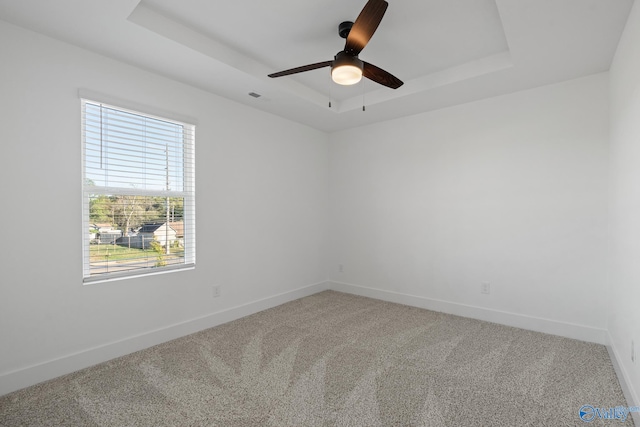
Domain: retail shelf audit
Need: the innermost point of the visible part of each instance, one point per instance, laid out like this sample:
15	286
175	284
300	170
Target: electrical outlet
216	291
485	288
340	268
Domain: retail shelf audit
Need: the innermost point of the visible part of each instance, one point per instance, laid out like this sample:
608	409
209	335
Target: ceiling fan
346	67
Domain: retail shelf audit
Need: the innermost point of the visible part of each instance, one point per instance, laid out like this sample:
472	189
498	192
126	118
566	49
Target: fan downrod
344	28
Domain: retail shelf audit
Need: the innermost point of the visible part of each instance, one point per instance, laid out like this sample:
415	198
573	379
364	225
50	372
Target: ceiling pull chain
330	85
363	109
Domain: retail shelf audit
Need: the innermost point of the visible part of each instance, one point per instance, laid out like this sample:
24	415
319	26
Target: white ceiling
446	51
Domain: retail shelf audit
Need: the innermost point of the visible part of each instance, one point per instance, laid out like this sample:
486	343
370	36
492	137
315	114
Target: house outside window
138	193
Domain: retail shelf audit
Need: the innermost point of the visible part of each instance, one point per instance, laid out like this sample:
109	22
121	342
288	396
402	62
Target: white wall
261	214
510	190
624	294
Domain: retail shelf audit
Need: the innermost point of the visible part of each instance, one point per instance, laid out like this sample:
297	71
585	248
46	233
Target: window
138	210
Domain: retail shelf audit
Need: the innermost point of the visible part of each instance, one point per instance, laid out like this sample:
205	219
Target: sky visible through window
130	151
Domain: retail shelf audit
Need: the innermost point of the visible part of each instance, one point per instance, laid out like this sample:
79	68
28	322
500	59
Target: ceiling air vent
255	95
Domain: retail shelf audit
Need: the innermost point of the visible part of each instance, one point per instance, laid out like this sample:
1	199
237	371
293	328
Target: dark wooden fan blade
301	69
381	76
365	25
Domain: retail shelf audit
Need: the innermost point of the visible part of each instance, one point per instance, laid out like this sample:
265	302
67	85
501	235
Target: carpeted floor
335	359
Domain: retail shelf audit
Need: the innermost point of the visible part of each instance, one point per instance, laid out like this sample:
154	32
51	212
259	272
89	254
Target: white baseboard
553	327
623	377
24	377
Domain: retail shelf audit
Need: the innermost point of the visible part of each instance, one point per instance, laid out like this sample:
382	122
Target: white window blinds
138	193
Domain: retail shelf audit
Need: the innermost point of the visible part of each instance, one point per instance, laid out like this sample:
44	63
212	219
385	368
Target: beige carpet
335	359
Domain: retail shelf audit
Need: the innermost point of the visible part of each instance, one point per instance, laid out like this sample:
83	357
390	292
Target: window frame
187	194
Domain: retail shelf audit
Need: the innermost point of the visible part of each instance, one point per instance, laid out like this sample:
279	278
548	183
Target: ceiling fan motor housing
343	58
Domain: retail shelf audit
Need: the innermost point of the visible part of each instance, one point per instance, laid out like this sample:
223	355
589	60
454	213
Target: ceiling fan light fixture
346	75
346	69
